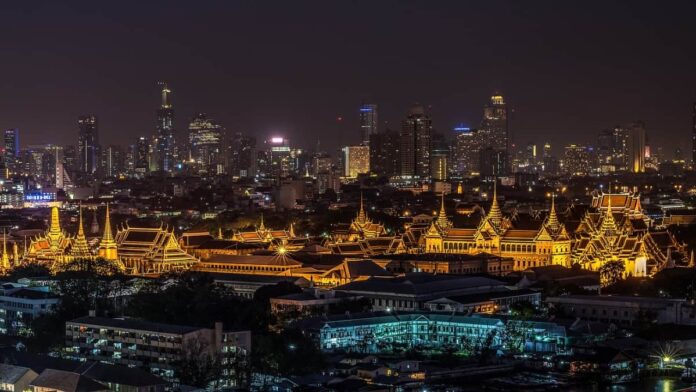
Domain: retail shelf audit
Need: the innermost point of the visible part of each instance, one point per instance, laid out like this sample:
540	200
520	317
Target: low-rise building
626	310
412	291
19	306
15	378
153	346
378	332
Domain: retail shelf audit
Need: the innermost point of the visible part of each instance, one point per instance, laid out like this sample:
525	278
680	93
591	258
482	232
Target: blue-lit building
375	333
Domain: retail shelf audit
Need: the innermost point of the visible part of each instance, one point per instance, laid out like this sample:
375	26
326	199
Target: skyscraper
113	161
242	155
385	156
11	152
465	153
141	160
494	127
356	160
88	146
164	143
416	132
206	144
637	146
368	122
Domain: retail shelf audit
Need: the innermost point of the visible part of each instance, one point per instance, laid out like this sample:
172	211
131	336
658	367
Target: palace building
497	235
616	229
360	228
144	250
263	235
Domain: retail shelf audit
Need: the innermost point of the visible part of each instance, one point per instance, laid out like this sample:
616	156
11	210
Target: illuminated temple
615	229
144	250
362	227
496	234
55	247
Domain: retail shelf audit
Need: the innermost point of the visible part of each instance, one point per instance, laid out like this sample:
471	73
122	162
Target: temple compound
550	244
362	227
616	229
55	248
144	250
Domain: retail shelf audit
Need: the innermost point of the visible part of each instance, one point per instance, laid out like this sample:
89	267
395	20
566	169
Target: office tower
164	143
70	159
206	144
274	160
465	154
141	156
385	156
113	161
637	146
546	152
11	152
494	126
439	157
368	122
88	146
492	162
321	163
356	160
242	155
416	132
576	160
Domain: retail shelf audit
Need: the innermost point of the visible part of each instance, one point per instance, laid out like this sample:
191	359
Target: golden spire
262	227
692	263
107	246
80	247
608	223
442	217
80	228
495	215
219	236
553	218
291	230
108	236
460	189
55	220
362	216
5	258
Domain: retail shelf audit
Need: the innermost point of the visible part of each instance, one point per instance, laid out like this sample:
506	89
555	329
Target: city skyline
550	96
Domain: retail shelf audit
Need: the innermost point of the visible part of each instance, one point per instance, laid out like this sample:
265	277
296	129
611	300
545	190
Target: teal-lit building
378	333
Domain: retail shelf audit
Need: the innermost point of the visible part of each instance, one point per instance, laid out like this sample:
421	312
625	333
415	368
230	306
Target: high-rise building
164	148
88	146
494	126
368	122
11	151
465	152
492	163
141	156
356	160
416	132
439	157
576	160
385	157
637	146
321	163
206	139
242	155
275	160
113	161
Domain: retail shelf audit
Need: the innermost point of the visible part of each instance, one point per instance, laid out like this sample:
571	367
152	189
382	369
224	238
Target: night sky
292	68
